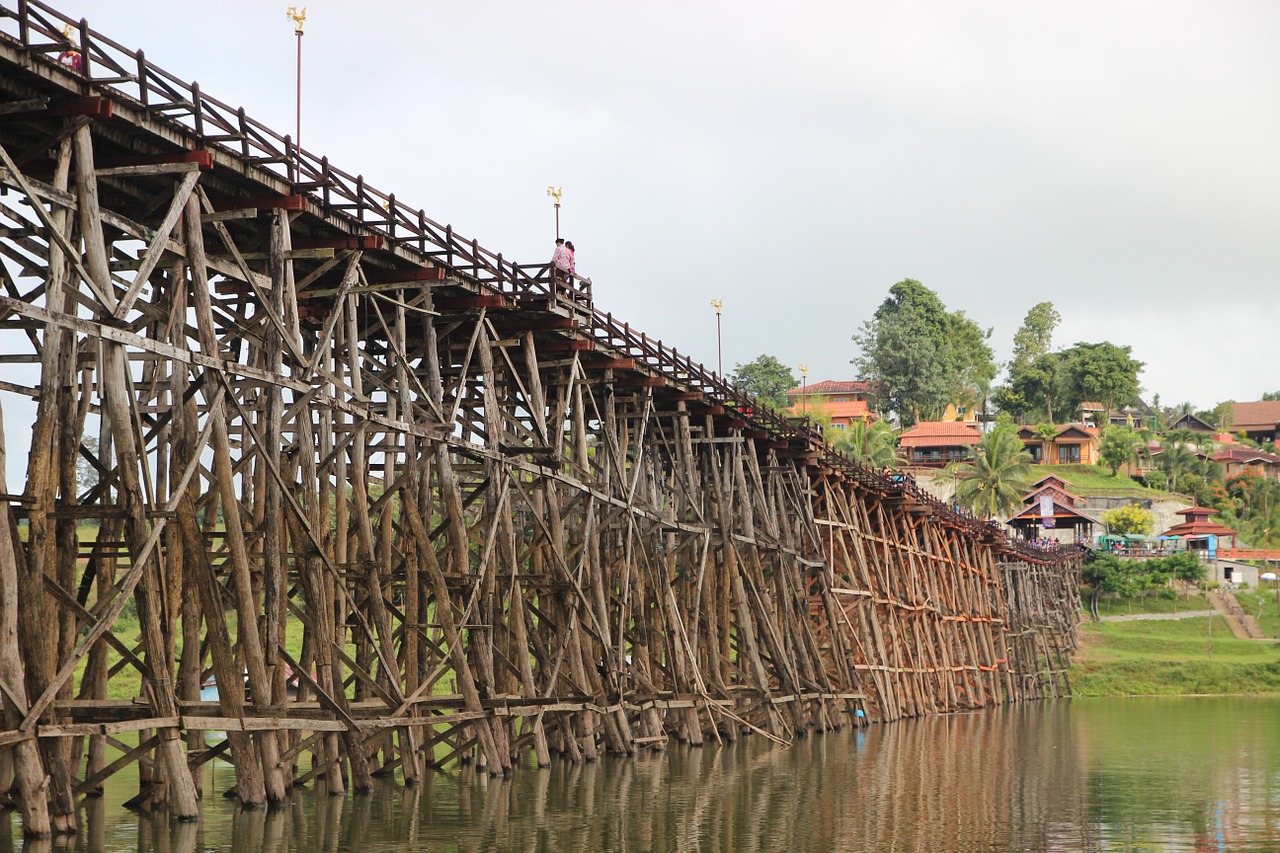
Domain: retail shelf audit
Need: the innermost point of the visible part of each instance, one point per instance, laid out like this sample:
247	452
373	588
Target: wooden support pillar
119	408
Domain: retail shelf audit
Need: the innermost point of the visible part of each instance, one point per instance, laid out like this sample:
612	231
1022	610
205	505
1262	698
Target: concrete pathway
1135	617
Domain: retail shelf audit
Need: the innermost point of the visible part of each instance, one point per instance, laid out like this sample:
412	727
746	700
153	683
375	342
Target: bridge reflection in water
410	503
1104	774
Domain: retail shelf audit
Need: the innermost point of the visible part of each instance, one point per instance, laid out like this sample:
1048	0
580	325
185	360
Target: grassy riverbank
1177	656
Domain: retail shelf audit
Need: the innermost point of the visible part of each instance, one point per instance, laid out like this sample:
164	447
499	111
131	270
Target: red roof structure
834	386
934	444
1259	421
1246	455
852	410
941	434
1198	525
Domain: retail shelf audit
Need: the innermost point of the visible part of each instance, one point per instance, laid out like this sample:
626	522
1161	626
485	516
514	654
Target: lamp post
299	18
555	193
718	304
804	389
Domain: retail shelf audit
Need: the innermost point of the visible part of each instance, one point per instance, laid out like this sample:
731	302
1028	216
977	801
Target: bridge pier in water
406	502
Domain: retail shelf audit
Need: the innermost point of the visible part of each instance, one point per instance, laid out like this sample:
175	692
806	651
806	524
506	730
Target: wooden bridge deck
405	499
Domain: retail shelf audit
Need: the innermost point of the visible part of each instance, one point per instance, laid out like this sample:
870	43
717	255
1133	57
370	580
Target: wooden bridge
406	501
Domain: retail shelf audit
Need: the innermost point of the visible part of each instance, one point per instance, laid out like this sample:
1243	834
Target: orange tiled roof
833	386
852	409
940	434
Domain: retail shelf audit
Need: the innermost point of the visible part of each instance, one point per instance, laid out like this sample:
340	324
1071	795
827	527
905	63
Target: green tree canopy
1040	383
1119	445
993	483
906	349
1101	372
973	363
766	379
1035	337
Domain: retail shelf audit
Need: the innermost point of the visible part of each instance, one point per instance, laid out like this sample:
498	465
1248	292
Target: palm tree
1046	433
993	483
875	444
1175	460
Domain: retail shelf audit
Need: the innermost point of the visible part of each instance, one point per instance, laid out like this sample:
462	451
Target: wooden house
1259	421
845	402
933	444
1072	444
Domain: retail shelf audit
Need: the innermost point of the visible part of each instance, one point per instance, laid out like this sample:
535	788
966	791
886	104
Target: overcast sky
796	159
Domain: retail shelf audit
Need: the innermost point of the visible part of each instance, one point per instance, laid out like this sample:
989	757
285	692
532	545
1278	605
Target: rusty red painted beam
91	106
364	243
400	276
642	382
271	202
575	345
203	159
537	324
462	302
613	364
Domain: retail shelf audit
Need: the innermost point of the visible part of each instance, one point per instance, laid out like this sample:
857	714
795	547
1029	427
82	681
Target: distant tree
1185	566
1034	371
1155	479
875	444
905	348
87	475
972	361
993	483
1132	520
1035	337
766	379
1010	402
1222	415
1118	445
1269	396
1107	573
1103	372
1041	383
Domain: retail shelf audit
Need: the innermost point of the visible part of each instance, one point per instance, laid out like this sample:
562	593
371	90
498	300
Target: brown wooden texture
408	502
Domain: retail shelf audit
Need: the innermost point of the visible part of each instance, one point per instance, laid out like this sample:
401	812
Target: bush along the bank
1107	573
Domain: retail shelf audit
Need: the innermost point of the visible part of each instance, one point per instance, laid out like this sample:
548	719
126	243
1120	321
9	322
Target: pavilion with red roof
1198	533
1050	506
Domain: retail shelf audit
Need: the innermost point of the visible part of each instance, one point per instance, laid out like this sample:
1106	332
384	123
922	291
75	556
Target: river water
1172	774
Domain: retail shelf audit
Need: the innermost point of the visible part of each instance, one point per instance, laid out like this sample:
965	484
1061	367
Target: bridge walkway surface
404	501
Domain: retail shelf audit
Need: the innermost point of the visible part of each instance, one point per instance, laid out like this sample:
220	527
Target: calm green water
1113	774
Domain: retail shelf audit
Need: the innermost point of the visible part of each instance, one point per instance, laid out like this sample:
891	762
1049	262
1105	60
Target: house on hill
846	402
934	444
1236	460
1259	421
1191	422
1072	444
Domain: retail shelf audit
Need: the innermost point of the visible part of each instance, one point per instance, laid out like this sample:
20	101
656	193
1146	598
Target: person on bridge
561	263
582	284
